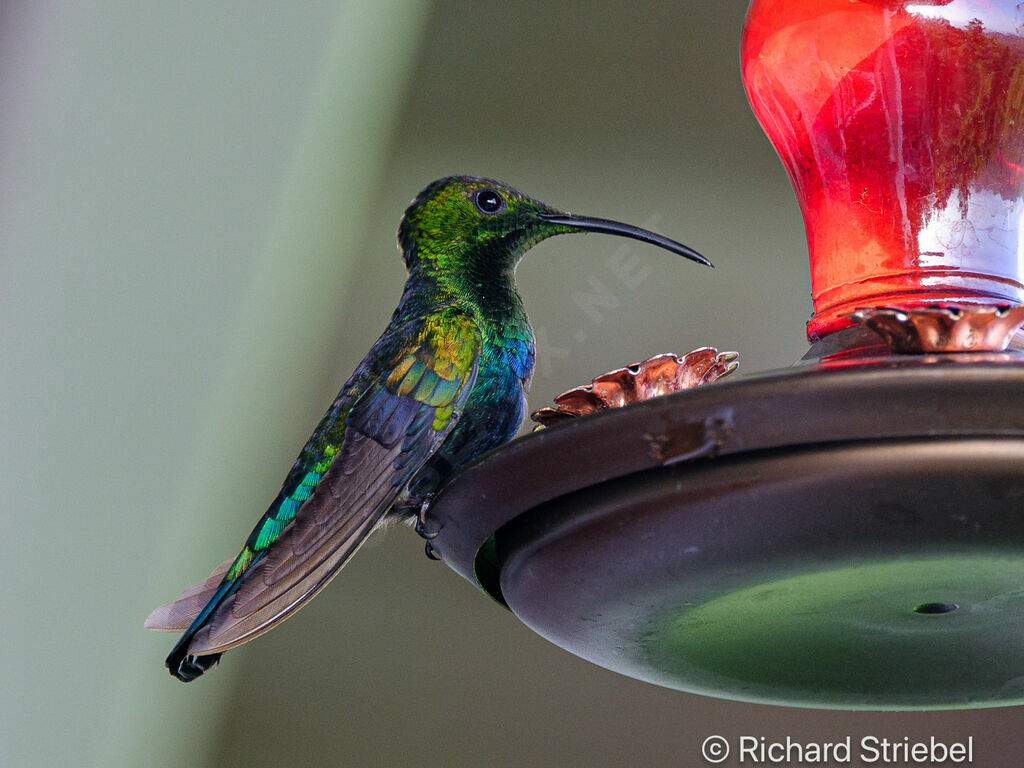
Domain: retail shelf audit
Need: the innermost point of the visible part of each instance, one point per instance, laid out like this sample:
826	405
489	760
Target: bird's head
461	223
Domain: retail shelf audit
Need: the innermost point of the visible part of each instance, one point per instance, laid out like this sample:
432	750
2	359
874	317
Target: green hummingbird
445	382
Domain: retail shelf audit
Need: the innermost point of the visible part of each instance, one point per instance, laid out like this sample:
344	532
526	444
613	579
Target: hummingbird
445	382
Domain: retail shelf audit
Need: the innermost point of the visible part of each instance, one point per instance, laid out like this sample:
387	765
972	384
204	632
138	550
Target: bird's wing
392	428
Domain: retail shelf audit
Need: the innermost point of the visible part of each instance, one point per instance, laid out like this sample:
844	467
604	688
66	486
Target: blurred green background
197	213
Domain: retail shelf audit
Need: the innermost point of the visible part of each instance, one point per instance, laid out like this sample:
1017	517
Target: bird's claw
421	529
421	522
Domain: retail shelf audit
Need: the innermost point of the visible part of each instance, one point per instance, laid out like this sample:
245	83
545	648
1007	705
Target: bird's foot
421	521
422	529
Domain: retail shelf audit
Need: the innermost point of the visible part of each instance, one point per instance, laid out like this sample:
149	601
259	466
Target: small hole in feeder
934	608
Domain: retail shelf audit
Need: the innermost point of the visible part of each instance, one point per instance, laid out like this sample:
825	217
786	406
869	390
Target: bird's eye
489	201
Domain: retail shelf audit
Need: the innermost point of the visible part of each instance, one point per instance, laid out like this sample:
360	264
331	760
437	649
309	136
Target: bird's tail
188	614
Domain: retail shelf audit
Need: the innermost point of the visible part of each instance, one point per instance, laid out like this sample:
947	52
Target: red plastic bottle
901	125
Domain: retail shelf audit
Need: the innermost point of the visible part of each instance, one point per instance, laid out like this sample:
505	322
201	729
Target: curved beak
608	227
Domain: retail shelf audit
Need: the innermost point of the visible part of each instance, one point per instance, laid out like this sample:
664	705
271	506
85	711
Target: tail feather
179	615
184	665
187	667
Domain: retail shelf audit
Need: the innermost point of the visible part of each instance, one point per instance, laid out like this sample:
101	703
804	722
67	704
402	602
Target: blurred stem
277	355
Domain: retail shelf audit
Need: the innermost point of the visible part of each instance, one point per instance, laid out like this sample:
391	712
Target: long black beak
608	227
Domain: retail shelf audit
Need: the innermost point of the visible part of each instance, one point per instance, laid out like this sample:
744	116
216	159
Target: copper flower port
944	328
657	376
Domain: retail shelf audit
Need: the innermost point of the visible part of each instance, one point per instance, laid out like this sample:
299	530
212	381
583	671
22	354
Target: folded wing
353	469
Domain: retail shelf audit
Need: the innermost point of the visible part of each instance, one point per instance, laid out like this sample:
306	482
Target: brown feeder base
846	533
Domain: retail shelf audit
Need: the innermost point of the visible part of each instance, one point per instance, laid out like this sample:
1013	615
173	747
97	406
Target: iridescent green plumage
446	381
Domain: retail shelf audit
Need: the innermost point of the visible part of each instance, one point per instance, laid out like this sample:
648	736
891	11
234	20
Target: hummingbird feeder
847	532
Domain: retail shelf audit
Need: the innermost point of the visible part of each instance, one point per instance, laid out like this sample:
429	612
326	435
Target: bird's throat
484	286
